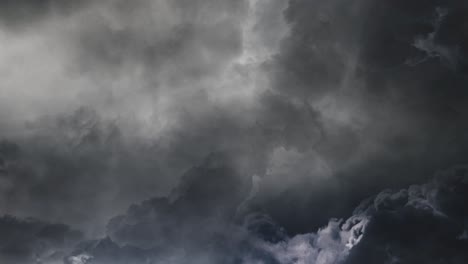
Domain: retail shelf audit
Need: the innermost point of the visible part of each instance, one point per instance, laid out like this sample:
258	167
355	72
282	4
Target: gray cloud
202	224
19	15
102	124
35	241
106	103
386	123
423	223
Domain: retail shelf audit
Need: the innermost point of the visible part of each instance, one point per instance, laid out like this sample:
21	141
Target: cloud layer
244	126
422	223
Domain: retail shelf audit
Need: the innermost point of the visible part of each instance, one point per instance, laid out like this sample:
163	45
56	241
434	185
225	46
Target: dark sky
233	131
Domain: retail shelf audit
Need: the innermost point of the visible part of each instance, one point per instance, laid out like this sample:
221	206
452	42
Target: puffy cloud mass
423	223
202	223
211	218
34	241
234	131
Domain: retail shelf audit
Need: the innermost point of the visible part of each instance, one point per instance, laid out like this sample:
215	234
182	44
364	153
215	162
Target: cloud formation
202	224
180	104
34	241
421	223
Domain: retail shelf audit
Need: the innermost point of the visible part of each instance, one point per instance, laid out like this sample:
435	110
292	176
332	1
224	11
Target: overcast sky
233	131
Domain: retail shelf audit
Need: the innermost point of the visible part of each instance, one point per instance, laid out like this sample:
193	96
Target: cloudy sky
233	131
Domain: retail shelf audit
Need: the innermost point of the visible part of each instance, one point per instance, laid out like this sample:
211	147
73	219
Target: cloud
35	241
21	14
384	123
423	223
106	103
132	96
202	224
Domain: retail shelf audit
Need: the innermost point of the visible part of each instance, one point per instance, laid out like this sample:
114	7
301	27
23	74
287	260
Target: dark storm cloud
388	81
195	223
335	53
345	99
178	36
21	13
424	223
201	223
92	168
34	241
73	160
85	154
322	42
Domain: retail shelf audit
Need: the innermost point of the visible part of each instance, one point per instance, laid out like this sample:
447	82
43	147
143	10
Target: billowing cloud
35	241
135	93
387	83
423	223
107	103
201	223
